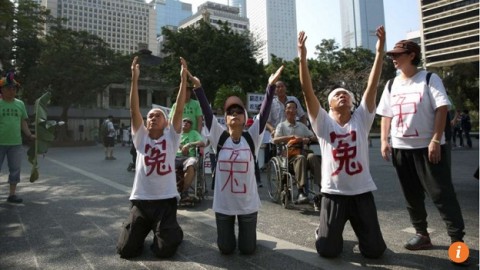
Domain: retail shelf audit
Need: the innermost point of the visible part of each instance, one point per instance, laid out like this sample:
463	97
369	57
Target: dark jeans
133	152
360	210
159	216
418	176
467	137
247	233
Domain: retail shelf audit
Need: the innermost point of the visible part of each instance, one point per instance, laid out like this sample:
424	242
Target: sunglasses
235	109
395	55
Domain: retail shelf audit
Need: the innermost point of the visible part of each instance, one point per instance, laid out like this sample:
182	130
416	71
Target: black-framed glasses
235	109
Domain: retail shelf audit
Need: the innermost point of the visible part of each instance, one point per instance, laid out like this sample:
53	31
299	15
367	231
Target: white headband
330	96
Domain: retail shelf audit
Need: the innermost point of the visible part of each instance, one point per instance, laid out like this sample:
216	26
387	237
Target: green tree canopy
75	66
216	56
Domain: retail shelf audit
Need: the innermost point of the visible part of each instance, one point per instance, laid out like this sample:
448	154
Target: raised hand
184	69
380	33
276	76
302	50
196	81
135	68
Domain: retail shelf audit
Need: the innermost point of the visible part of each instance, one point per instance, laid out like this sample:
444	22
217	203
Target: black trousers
159	216
247	233
418	176
360	210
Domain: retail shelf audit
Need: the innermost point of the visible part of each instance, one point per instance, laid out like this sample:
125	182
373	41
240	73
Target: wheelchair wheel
201	186
274	174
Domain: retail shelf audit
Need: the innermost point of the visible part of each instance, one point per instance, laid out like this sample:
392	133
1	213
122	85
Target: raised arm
176	120
135	114
267	101
370	93
313	105
202	98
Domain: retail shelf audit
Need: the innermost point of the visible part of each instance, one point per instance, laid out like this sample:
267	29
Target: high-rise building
215	13
359	21
450	32
123	24
274	24
170	13
241	4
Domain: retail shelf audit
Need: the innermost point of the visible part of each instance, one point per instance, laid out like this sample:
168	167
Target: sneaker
112	158
302	198
14	199
317	202
184	197
419	242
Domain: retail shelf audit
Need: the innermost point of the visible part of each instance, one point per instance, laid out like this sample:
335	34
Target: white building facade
123	24
274	24
215	13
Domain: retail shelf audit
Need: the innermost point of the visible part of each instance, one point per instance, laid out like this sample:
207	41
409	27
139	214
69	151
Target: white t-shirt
235	185
155	165
411	104
277	111
345	162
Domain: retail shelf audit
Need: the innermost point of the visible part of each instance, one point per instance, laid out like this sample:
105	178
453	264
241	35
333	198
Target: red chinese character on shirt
404	106
345	153
155	159
232	165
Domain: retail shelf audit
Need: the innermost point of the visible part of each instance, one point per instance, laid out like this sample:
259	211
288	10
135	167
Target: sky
320	19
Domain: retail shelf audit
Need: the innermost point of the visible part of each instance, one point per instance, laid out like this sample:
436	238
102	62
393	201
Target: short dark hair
291	101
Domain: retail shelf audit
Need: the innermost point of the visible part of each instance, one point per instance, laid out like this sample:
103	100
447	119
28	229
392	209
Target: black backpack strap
429	74
390	83
249	139
221	141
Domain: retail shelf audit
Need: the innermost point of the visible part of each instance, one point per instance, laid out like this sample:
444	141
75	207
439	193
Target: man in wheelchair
186	159
295	135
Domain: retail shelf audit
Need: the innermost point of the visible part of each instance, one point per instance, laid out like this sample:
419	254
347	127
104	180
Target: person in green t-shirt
186	156
13	120
192	110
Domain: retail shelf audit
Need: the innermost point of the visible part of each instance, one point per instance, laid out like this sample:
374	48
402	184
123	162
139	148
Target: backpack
448	129
223	138
104	129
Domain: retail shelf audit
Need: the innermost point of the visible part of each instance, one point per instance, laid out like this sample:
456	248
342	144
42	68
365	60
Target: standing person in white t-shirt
346	181
154	194
413	116
236	194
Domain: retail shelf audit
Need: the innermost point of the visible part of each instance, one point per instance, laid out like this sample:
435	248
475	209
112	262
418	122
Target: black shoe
317	202
419	242
260	185
14	199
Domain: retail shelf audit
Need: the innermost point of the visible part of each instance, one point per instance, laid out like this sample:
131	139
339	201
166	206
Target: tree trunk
62	131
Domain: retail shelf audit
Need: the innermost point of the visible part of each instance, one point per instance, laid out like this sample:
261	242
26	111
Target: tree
75	66
21	26
216	56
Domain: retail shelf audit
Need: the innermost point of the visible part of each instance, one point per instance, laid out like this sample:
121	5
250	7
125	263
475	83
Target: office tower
274	24
359	21
214	13
170	13
450	32
124	24
241	4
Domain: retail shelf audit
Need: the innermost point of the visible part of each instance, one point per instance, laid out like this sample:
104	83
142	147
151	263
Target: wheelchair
198	188
281	181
